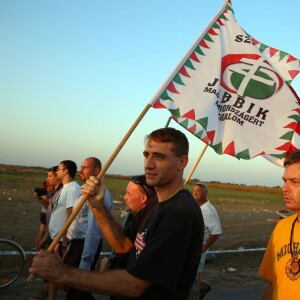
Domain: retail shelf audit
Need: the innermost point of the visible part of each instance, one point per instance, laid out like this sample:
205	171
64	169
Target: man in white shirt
63	207
212	230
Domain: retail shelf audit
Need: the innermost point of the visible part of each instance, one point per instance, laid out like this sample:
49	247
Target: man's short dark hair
294	157
96	162
173	136
70	166
53	169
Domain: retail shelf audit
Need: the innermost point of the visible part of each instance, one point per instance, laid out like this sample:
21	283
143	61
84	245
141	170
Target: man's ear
183	161
97	171
144	200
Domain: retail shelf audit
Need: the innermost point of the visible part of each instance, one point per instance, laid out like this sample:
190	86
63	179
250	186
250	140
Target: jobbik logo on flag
233	92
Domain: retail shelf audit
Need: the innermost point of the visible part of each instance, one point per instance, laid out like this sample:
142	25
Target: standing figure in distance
42	194
55	184
212	230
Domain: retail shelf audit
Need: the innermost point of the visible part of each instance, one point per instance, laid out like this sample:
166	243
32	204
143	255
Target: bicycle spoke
12	260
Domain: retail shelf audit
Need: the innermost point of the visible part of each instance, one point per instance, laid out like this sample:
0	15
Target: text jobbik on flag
234	92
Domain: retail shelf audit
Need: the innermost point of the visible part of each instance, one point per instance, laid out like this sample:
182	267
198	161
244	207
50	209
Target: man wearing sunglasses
138	192
163	241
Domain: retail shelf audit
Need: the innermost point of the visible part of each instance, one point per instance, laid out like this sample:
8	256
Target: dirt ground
246	224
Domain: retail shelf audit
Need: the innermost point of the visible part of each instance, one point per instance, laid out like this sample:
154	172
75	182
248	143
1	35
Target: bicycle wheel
12	262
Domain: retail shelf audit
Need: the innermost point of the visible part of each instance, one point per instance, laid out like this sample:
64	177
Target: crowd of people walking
159	252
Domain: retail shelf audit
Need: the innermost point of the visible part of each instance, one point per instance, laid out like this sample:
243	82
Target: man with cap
212	230
138	192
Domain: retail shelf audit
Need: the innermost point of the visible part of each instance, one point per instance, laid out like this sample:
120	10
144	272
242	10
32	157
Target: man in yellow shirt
281	262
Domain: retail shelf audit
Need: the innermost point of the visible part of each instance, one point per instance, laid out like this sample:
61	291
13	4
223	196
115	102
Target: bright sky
75	75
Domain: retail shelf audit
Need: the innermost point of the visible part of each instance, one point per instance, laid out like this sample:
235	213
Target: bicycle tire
12	262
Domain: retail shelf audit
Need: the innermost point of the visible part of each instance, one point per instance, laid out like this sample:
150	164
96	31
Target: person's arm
65	239
105	264
111	230
92	239
212	238
51	267
268	292
45	239
42	199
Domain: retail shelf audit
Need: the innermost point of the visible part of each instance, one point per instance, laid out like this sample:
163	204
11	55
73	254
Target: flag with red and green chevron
233	92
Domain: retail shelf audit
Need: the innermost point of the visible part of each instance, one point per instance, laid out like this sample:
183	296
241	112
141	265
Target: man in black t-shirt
163	241
165	246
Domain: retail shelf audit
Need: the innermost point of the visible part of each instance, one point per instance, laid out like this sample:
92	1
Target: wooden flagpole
195	165
99	177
